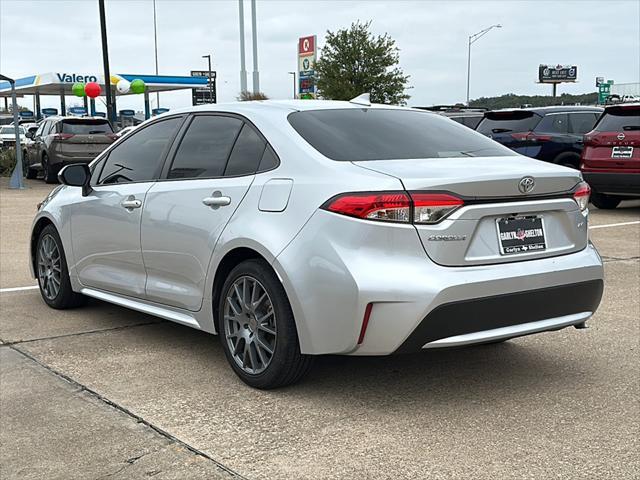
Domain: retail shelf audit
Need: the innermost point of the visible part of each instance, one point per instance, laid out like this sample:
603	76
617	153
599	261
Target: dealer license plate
521	234
621	152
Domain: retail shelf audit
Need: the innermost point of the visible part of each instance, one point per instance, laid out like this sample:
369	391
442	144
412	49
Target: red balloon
92	89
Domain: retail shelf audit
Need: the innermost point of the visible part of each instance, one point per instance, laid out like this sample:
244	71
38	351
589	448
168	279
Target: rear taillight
521	137
62	136
531	137
424	208
433	207
590	140
581	195
384	206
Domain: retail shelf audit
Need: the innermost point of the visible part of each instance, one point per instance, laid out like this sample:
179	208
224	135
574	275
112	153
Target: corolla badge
526	184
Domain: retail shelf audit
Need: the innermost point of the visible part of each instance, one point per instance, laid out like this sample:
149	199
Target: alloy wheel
49	267
250	325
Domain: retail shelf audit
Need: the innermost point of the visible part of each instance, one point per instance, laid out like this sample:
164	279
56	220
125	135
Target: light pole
208	57
256	75
473	39
111	114
155	47
294	84
243	70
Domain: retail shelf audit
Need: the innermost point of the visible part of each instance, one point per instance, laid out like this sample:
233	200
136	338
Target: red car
610	161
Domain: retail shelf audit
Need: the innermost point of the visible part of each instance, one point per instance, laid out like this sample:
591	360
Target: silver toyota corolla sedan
301	228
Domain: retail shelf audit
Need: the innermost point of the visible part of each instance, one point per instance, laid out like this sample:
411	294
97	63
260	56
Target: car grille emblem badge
526	184
621	136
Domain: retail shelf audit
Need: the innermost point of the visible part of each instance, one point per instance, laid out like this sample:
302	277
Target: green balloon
138	86
78	89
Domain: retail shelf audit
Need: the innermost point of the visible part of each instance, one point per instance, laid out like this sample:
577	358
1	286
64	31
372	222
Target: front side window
205	147
139	157
357	134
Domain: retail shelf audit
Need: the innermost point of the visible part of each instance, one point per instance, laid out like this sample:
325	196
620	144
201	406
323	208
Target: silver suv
301	228
59	141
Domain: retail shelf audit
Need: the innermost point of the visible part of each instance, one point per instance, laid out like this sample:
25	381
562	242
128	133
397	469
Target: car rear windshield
619	119
86	127
503	122
10	130
386	134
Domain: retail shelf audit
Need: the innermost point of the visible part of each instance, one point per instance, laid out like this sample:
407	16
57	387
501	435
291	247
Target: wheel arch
571	157
38	226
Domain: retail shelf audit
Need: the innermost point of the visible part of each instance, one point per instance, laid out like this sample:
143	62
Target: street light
208	57
155	48
293	74
473	39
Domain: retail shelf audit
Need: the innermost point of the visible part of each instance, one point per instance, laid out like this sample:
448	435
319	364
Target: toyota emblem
621	136
526	184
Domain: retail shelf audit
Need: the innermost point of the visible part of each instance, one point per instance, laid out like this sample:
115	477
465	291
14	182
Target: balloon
123	86
138	86
78	89
92	89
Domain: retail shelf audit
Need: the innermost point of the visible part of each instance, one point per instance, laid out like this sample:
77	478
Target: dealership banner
557	74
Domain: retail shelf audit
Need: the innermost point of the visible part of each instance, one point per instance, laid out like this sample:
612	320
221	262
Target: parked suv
62	140
467	116
552	134
611	157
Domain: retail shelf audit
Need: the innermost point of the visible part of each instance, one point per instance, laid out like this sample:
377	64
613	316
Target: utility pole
208	57
16	176
256	75
243	70
294	84
473	39
155	43
105	60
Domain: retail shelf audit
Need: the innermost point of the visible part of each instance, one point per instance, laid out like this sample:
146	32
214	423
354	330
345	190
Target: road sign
604	90
204	95
557	74
307	56
599	80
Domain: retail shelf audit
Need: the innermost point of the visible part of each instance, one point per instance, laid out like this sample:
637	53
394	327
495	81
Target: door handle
131	203
216	201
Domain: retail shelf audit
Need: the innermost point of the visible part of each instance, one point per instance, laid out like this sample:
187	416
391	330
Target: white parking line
593	227
18	289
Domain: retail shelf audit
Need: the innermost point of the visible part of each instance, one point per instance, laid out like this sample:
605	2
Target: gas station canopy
60	83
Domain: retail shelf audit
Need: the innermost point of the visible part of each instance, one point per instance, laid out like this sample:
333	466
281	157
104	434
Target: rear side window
504	122
582	123
619	120
554	123
86	127
269	160
247	153
357	134
139	156
205	148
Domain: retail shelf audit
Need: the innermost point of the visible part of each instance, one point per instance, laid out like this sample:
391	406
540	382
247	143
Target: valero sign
76	78
307	56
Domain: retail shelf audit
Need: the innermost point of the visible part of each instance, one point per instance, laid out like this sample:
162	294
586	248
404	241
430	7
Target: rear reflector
365	322
395	206
581	195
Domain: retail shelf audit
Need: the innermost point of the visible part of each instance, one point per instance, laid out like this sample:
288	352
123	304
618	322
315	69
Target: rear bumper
622	183
505	316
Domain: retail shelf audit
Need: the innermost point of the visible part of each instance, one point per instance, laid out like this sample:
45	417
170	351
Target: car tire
32	173
605	202
50	175
570	160
257	328
52	273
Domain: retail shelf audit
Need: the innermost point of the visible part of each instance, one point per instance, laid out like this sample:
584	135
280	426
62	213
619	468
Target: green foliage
511	100
7	161
247	96
353	62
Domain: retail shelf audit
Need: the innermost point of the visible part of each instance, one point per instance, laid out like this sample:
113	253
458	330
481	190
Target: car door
211	171
105	224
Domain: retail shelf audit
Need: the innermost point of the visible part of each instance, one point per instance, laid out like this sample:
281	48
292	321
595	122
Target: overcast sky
601	37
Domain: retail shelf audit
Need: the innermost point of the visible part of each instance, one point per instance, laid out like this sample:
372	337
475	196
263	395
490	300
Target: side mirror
29	135
76	175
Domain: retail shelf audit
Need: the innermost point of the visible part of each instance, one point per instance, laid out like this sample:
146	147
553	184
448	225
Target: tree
353	61
247	96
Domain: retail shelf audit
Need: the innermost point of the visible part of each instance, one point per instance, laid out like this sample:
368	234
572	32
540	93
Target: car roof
554	109
73	117
282	106
620	106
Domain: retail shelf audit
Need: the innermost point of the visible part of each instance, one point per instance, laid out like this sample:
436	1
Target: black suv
552	134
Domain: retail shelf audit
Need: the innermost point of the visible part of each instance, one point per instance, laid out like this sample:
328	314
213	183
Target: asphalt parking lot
105	392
